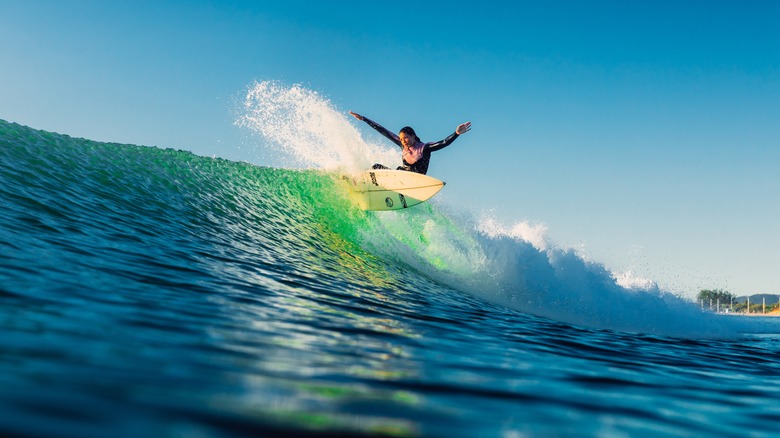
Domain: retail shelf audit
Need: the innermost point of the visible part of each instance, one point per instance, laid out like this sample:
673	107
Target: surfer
416	154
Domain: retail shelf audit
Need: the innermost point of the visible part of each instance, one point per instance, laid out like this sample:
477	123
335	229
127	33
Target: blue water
153	292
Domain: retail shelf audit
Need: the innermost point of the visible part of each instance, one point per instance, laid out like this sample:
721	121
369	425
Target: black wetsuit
420	165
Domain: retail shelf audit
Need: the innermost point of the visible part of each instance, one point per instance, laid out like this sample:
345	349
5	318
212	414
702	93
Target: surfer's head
408	136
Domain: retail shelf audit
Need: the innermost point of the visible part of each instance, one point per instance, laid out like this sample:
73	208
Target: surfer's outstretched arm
379	128
461	129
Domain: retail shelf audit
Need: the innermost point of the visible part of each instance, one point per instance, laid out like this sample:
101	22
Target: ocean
154	292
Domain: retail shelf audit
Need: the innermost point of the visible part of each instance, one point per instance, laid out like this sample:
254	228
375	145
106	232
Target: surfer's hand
463	128
357	116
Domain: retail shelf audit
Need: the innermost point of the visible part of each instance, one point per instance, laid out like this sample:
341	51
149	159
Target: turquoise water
153	292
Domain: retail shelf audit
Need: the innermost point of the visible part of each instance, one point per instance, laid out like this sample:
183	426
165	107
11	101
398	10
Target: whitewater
153	292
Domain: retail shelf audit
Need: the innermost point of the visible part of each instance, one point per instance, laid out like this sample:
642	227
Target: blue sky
644	134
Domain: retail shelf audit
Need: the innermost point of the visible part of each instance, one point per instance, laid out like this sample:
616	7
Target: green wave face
159	197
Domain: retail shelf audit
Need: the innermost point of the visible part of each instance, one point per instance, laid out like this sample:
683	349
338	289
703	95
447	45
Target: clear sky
646	134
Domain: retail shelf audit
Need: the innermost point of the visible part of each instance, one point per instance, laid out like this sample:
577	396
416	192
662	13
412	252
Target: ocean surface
153	292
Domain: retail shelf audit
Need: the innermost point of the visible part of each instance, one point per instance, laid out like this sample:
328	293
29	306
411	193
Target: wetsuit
417	157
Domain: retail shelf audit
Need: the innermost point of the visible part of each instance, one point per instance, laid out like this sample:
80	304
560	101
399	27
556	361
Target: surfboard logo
373	178
389	202
403	200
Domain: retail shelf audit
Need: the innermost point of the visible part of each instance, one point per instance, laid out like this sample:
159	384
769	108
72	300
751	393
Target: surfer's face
406	139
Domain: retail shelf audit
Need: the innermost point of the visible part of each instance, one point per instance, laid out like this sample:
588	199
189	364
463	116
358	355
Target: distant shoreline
773	313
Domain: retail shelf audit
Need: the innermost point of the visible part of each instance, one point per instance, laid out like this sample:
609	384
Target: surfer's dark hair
409	131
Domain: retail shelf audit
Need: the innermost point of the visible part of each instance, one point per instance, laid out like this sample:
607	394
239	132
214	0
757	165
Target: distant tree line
715	295
719	299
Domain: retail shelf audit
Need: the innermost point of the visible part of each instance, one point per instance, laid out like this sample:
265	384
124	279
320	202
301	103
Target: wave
149	214
513	265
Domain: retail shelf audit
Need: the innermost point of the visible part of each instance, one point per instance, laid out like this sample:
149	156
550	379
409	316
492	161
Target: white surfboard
385	189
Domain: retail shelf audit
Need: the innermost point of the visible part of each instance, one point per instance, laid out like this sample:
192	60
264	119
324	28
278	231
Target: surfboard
386	189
